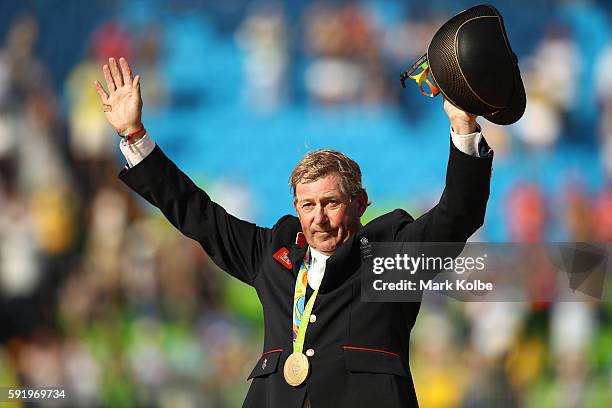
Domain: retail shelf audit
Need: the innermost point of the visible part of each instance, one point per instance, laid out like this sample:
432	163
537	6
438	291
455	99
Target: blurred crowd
95	295
100	295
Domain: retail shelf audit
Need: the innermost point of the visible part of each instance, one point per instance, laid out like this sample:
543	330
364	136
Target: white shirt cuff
469	143
136	152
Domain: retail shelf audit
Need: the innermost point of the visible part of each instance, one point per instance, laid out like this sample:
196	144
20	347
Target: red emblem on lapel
300	239
282	256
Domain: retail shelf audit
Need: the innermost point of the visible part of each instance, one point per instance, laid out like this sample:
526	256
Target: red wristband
129	135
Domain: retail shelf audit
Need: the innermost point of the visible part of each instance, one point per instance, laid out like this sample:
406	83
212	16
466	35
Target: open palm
123	102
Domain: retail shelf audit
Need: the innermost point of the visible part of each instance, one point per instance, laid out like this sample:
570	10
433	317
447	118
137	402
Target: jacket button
313	318
310	352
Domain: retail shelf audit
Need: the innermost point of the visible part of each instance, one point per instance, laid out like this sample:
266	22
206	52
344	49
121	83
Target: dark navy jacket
361	349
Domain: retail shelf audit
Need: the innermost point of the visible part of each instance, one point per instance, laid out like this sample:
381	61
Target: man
323	347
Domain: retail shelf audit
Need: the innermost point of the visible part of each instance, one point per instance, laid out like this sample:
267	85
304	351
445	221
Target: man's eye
307	205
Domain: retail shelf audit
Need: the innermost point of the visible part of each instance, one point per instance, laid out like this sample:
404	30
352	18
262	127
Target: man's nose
320	215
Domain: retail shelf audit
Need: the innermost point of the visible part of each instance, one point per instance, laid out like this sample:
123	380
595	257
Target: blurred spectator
551	86
19	262
23	81
21	72
435	357
155	94
602	216
541	125
527	213
264	37
605	138
578	214
603	78
571	332
346	58
495	325
557	66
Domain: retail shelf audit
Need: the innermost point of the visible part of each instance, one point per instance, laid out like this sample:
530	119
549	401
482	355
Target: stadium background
100	295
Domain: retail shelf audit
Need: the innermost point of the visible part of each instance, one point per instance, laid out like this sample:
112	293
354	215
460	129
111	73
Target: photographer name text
444	286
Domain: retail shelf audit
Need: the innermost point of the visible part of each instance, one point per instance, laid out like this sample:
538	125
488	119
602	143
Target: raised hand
122	104
462	122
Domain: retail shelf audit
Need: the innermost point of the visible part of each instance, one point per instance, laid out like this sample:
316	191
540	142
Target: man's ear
362	202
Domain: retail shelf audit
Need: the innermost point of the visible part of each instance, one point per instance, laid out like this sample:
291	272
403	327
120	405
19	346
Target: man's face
328	216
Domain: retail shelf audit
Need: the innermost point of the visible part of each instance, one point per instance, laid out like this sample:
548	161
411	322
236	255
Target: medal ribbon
301	313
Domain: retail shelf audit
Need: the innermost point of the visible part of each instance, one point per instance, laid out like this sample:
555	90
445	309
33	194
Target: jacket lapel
296	255
341	265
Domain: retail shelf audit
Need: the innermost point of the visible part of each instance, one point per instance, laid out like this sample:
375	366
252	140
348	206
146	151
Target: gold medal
297	368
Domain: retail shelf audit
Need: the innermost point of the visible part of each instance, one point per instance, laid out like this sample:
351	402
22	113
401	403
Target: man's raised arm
234	245
461	209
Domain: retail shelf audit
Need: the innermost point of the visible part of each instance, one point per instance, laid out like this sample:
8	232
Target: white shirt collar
317	268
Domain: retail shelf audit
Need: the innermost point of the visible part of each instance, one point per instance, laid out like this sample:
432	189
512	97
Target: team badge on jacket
365	248
282	256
